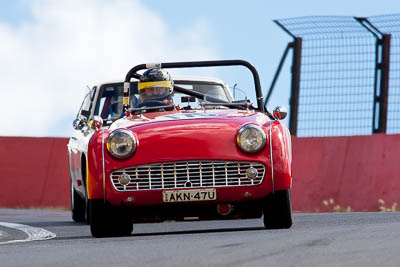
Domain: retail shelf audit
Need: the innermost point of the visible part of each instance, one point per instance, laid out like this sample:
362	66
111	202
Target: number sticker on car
189	195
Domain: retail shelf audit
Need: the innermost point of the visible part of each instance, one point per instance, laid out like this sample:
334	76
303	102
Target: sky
52	50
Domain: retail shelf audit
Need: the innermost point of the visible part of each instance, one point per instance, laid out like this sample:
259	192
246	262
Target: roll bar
193	64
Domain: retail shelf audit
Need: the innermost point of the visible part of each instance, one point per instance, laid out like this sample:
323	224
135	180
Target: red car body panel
190	135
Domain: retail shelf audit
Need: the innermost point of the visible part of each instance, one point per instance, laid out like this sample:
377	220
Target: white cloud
47	61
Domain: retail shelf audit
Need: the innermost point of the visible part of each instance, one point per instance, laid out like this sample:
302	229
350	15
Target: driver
156	87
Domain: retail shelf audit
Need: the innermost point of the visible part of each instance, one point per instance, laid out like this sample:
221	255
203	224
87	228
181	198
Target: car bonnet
154	118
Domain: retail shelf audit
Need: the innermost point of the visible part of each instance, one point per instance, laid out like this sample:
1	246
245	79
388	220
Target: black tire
277	209
78	206
106	221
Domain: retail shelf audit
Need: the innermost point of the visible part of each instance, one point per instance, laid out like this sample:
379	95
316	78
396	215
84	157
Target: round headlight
251	138
121	143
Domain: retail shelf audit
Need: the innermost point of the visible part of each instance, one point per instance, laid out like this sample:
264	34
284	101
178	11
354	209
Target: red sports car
156	147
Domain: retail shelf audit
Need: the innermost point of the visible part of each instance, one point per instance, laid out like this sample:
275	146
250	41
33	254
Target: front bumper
238	195
155	197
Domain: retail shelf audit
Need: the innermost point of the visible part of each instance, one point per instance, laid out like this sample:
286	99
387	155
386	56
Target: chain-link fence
340	86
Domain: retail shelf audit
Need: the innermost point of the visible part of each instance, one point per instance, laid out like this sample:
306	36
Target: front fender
95	165
281	156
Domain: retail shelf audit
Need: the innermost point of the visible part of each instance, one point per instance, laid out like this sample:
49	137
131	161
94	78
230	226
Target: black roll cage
192	64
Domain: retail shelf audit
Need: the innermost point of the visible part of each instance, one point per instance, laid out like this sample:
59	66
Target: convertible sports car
156	147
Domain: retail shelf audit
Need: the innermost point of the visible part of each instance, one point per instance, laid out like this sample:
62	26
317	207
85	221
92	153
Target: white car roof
197	78
179	78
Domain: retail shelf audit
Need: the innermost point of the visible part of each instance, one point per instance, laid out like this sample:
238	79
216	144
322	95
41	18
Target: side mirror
78	124
279	113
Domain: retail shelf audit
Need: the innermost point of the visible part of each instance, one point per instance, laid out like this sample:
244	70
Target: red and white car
207	157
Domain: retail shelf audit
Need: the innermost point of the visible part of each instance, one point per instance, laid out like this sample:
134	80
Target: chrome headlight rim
130	135
245	128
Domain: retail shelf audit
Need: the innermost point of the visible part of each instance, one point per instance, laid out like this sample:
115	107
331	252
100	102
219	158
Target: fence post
295	85
382	67
384	83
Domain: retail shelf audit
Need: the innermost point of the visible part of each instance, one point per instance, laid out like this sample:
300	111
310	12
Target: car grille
188	174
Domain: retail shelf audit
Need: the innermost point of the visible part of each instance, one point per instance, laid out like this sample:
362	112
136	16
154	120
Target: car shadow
189	232
165	233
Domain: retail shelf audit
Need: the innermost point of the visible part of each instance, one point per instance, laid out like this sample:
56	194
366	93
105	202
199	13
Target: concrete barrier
353	171
34	172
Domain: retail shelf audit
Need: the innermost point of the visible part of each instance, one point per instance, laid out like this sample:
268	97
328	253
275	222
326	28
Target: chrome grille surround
188	174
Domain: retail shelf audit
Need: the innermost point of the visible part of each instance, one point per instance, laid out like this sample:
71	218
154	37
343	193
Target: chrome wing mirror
79	124
279	113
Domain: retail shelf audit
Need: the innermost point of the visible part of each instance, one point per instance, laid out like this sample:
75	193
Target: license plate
189	195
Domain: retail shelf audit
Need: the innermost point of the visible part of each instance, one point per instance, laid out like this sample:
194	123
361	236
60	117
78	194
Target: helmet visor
143	85
154	90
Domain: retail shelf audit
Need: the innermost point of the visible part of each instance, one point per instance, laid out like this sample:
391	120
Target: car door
77	146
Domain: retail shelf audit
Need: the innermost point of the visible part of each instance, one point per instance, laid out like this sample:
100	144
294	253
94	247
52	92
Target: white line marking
34	233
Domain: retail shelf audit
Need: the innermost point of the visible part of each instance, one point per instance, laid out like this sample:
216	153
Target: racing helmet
155	84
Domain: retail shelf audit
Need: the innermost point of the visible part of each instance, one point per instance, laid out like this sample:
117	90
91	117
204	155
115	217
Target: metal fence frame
381	75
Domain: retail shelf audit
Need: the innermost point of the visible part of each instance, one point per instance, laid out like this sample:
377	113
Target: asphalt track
325	239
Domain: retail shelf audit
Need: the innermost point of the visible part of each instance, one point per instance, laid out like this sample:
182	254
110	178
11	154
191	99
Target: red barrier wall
354	171
34	172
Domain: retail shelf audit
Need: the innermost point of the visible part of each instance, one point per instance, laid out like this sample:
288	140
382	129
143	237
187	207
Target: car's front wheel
107	221
277	209
78	205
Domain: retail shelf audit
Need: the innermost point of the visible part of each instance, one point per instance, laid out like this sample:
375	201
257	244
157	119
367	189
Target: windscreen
109	102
